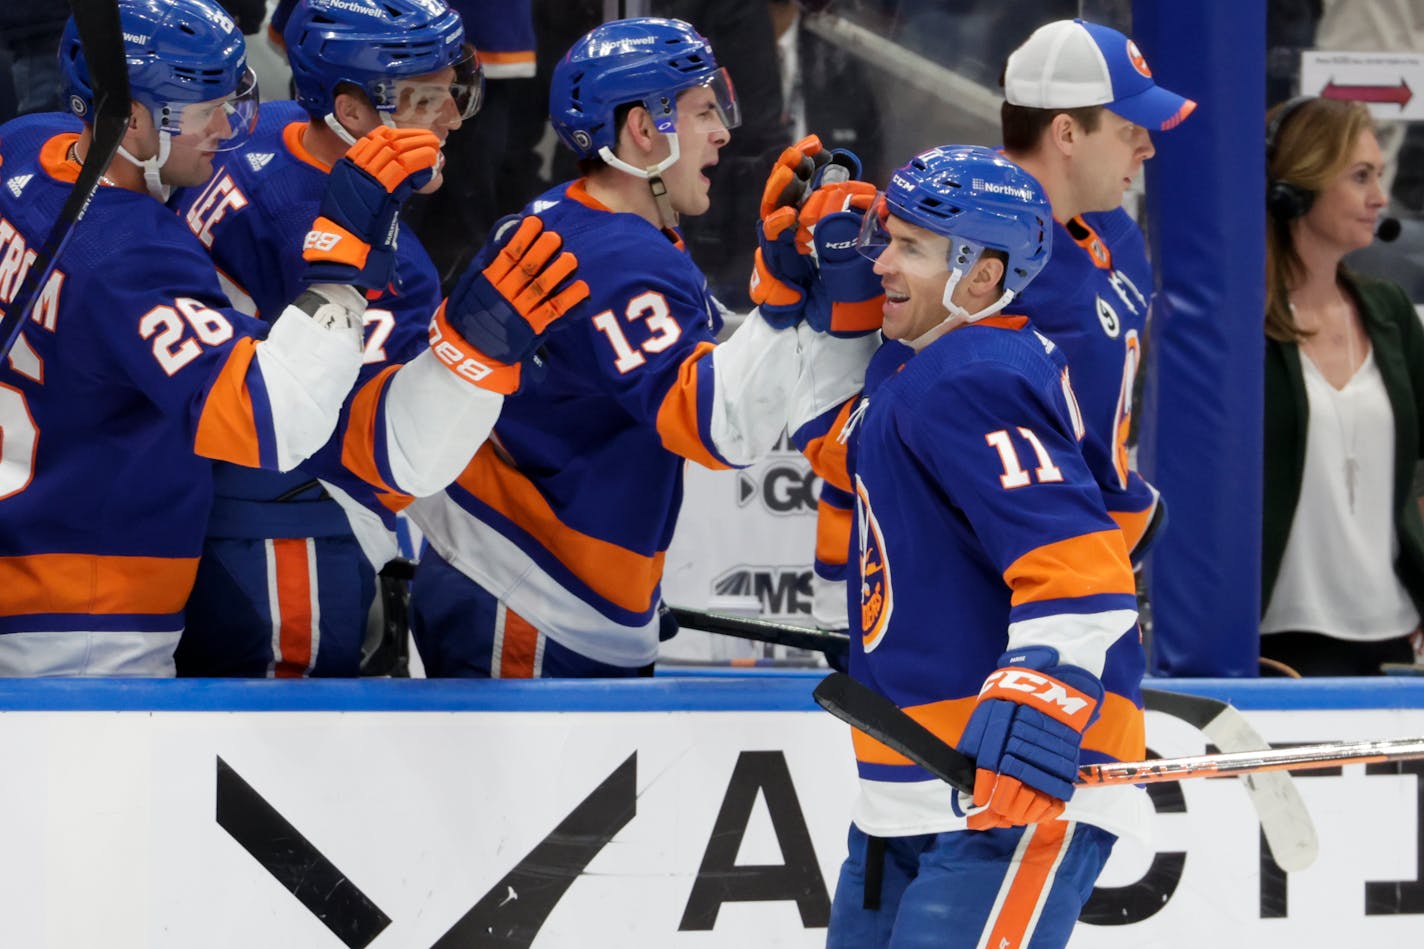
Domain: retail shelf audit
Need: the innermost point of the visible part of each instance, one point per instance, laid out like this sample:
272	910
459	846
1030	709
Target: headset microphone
1388	229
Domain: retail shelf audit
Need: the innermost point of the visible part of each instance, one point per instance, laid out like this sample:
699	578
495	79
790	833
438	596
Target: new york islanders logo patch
877	598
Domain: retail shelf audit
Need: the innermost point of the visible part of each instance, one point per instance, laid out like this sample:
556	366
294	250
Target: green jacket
1398	340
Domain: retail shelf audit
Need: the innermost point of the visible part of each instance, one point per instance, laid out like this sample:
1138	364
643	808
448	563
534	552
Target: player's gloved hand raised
1025	733
783	270
498	313
846	298
353	239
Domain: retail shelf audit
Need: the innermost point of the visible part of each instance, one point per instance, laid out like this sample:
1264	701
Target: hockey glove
495	318
353	239
846	298
783	272
1025	733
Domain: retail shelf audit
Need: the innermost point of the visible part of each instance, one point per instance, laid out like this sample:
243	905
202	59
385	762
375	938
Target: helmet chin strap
153	167
653	174
333	123
958	315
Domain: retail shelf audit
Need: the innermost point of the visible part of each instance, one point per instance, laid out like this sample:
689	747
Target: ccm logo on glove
1050	696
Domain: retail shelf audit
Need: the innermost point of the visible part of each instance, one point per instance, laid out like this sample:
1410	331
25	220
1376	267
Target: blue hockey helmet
643	61
179	53
377	45
978	199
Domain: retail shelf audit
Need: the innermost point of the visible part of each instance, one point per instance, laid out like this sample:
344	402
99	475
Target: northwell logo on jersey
258	160
17	184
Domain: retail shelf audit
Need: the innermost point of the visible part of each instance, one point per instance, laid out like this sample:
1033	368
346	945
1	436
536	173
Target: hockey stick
763	631
881	719
103	42
1285	820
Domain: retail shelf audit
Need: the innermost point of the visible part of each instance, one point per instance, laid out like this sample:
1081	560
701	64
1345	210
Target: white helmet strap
153	167
957	314
653	174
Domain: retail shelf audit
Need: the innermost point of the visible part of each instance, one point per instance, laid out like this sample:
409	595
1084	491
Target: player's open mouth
895	296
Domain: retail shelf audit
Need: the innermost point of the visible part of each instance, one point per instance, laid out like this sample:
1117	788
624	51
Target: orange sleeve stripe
226	429
623	577
832	533
89	583
1120	732
358	445
1085	565
504	59
946	719
677	416
828	456
1133	525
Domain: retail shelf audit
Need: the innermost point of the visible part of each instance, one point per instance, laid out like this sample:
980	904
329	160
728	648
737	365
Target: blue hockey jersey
252	216
131	373
567	513
979	529
1092	300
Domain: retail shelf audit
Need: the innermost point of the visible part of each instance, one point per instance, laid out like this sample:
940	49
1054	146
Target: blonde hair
1310	150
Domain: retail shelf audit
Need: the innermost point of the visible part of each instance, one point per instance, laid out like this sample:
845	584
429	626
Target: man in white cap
1080	105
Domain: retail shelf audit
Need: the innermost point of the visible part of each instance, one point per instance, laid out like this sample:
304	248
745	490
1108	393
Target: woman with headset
1342	543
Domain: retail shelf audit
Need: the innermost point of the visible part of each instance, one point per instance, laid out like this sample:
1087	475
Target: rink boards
677	812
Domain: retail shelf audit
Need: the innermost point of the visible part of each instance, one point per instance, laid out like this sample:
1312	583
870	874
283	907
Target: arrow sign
1383	81
1398	94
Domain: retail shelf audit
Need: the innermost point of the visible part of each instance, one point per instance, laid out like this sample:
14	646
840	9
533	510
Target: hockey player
546	555
1080	106
133	372
289	566
995	600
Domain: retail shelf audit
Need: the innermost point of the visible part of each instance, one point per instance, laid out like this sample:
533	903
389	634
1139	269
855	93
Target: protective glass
425	103
216	125
873	237
722	112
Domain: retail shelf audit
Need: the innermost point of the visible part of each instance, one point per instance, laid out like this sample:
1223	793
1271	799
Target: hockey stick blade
1285	820
763	631
866	709
863	707
102	39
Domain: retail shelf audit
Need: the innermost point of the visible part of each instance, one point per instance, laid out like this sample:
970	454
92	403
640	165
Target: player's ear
141	139
987	276
354	113
639	129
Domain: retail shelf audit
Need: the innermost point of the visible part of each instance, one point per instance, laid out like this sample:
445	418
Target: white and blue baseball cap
1070	64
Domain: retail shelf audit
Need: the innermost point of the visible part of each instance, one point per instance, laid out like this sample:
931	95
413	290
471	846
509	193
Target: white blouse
1337	575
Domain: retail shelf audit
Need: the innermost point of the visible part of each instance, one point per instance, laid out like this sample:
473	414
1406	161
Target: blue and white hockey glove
353	239
1025	734
497	315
